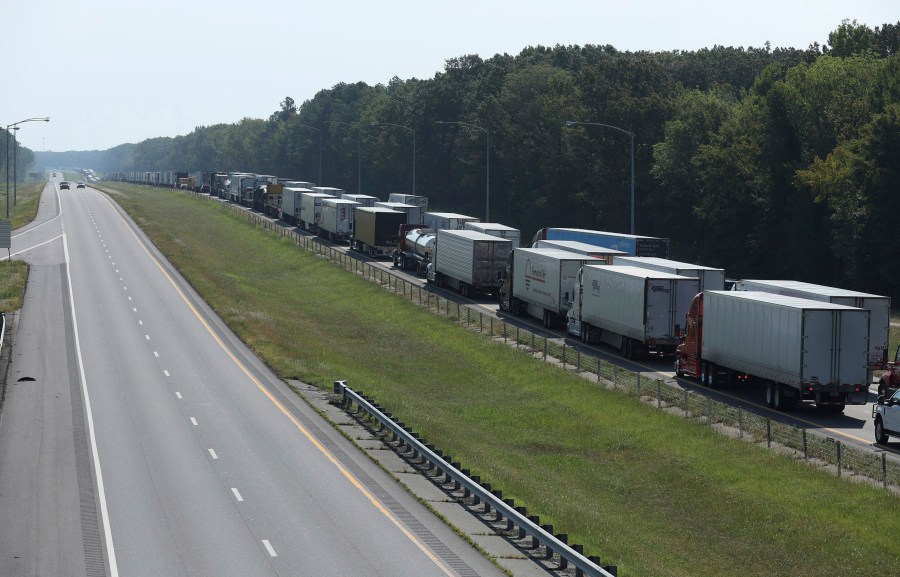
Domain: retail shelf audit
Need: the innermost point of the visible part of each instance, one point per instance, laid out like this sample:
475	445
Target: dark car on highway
64	185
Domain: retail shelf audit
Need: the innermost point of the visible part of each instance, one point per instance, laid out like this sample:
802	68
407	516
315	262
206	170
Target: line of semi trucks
797	341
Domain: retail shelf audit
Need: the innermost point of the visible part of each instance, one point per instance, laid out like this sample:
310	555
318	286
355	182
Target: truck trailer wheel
880	436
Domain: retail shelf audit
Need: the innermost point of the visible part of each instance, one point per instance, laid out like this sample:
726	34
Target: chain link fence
802	444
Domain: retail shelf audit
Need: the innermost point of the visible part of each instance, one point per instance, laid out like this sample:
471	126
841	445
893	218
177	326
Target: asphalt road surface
140	437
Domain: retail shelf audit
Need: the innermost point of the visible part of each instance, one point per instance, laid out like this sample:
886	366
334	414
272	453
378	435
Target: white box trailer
606	255
297	184
335	192
541	282
311	210
446	220
362	199
336	221
290	203
468	261
420	201
712	279
878	306
798	349
511	234
413	212
631	308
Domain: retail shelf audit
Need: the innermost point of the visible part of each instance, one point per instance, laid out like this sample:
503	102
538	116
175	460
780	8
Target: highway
140	437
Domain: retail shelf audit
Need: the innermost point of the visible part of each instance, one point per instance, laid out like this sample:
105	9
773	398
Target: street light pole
413	130
358	153
571	123
14	126
320	149
487	162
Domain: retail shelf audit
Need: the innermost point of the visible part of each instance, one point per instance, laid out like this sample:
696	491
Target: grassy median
654	494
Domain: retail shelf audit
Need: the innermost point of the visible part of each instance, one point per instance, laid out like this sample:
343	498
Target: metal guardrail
582	564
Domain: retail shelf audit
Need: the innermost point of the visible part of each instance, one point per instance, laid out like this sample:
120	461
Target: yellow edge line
281	407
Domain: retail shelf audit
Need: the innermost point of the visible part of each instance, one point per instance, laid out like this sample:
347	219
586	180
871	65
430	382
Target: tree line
770	163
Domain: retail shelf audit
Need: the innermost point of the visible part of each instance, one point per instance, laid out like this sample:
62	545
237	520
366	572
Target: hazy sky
109	72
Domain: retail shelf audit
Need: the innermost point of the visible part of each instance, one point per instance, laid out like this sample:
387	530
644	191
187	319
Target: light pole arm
630	133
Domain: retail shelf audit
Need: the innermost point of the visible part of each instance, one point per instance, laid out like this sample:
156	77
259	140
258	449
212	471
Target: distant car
54	174
64	185
205	188
79	185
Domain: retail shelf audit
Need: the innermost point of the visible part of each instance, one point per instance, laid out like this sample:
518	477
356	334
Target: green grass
27	199
652	493
13	275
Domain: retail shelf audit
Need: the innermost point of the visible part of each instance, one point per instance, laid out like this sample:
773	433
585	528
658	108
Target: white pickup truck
886	413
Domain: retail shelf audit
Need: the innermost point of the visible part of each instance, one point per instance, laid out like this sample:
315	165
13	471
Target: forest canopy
771	163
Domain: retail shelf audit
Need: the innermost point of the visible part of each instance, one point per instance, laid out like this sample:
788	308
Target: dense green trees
770	163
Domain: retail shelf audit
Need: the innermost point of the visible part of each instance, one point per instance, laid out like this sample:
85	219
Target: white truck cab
886	413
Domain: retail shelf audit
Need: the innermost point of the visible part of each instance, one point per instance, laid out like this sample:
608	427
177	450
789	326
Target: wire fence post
768	432
564	356
658	395
805	446
838	450
598	370
740	423
709	411
884	470
639	385
545	348
686	402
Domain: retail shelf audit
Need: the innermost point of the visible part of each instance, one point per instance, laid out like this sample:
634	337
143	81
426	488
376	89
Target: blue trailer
634	245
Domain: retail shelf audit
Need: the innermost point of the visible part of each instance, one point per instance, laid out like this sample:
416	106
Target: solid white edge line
269	548
33	247
101	489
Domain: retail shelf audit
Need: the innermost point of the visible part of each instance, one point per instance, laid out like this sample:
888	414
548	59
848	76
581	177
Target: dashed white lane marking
269	548
156	354
237	495
177	394
141	323
129	298
213	454
134	309
124	287
193	421
166	373
147	337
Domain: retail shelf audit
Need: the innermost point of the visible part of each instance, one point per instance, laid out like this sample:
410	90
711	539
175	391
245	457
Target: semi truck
336	223
710	278
420	201
335	192
272	199
468	261
311	210
511	234
605	255
446	220
634	245
291	198
796	349
413	212
879	307
375	230
362	199
415	248
540	282
633	309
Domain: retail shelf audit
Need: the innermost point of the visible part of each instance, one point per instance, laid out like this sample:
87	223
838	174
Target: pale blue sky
114	71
